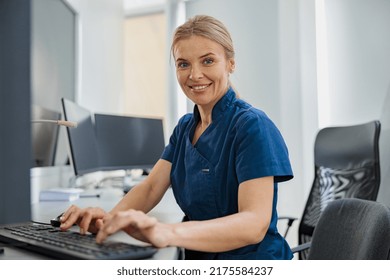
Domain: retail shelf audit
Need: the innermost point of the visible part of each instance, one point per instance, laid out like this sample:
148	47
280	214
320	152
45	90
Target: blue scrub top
240	144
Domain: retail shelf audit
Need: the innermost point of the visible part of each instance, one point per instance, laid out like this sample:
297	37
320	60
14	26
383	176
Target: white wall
358	43
100	50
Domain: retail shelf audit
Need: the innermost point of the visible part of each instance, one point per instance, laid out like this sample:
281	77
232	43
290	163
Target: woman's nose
196	73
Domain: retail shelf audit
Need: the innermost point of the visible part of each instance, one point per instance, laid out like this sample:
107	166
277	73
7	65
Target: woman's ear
232	65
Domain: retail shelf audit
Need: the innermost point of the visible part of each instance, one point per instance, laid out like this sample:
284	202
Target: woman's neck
205	116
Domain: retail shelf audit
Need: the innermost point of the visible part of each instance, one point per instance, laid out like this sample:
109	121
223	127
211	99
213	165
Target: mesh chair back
346	166
352	229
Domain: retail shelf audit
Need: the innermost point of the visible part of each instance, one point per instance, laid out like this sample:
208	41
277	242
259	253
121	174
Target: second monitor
127	141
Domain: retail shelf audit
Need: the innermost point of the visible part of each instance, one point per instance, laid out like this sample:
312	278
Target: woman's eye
208	61
182	64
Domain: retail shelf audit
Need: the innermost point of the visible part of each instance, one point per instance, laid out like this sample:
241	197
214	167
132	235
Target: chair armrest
289	223
301	247
290	219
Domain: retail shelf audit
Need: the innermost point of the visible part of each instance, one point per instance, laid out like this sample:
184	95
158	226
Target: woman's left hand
138	225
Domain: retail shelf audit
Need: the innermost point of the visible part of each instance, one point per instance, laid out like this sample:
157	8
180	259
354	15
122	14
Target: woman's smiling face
202	69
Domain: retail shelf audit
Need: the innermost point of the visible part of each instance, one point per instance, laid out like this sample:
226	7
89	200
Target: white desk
167	211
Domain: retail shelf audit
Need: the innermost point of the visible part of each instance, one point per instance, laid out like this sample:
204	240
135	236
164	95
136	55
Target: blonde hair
207	27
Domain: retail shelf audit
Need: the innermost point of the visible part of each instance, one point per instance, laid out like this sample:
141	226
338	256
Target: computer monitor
44	136
103	142
129	142
83	149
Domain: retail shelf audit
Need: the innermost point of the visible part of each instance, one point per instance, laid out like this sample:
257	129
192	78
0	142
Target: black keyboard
50	241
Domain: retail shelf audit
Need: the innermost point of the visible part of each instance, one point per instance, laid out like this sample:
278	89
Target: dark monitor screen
129	142
83	149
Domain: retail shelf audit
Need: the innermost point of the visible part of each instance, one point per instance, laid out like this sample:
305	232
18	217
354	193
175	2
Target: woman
223	162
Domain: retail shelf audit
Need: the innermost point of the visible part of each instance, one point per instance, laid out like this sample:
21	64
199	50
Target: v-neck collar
219	108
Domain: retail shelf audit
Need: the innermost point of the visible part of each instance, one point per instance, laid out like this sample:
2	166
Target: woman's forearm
140	197
149	192
219	235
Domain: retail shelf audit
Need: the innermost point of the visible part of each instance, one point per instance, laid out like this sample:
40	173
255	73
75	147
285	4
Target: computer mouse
56	221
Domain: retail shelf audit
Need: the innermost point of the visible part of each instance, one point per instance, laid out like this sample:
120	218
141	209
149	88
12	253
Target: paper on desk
68	194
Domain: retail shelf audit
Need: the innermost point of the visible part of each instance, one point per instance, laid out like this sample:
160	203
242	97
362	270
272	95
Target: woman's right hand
88	219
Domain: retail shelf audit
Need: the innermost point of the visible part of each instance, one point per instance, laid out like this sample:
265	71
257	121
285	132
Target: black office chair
352	229
346	166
